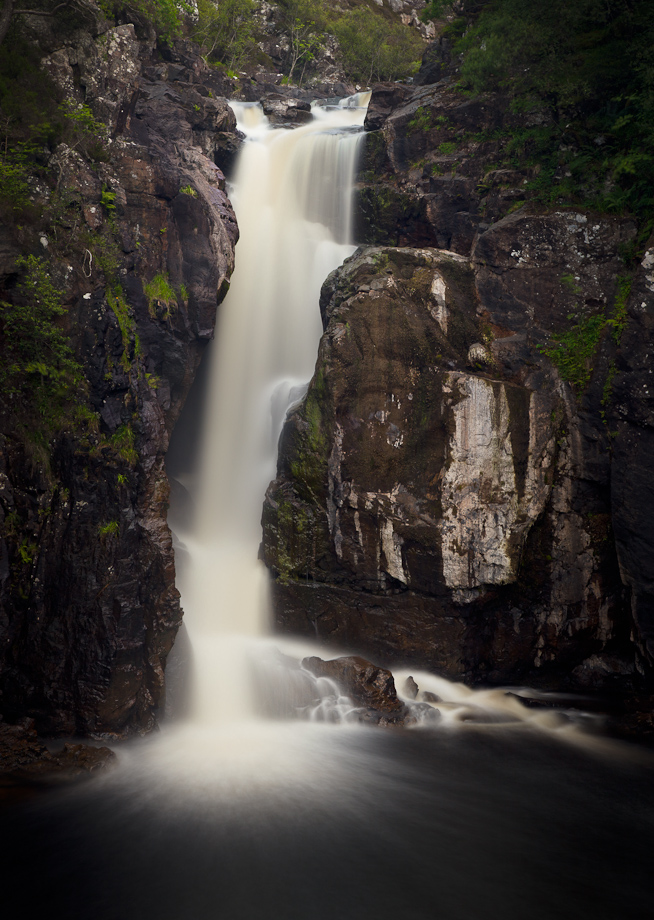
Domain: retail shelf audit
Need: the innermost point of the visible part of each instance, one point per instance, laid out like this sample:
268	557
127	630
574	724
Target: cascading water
292	195
237	813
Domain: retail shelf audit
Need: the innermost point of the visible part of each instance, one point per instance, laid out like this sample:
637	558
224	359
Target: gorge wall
466	487
137	239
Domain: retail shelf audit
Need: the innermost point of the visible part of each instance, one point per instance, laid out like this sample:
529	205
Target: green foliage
188	190
82	131
572	352
373	48
618	321
28	124
226	31
161	297
435	9
108	200
164	16
15	181
123	442
28	97
27	550
585	70
126	323
306	23
39	375
570	282
421	121
108	530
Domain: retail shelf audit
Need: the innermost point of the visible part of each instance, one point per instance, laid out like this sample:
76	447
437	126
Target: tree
305	22
374	48
9	11
226	30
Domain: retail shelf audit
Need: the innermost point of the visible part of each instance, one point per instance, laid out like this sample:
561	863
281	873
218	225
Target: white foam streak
292	193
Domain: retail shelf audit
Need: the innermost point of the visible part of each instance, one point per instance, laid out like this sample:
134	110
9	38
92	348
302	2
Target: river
263	796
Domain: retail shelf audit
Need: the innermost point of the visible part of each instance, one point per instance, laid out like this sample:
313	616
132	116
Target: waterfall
292	196
239	811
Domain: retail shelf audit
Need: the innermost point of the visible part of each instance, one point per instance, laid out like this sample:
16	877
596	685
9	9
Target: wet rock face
25	759
369	686
632	416
423	177
535	270
281	110
432	503
88	616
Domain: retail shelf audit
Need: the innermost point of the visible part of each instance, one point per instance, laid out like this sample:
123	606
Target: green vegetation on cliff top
582	74
373	45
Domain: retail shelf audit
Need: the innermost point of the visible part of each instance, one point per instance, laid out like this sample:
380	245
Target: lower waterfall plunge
239	811
292	195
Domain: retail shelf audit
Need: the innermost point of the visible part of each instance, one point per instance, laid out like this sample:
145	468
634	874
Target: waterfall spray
292	196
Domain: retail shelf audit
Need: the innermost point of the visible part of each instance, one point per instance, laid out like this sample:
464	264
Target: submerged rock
25	759
282	110
368	685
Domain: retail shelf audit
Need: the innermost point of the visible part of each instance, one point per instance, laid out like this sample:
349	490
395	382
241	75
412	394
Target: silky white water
251	808
292	194
256	718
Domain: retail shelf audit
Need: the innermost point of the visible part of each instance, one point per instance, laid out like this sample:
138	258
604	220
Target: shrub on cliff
585	73
306	23
40	379
164	16
226	30
374	48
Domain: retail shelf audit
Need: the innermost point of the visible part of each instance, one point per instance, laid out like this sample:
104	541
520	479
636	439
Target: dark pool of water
440	826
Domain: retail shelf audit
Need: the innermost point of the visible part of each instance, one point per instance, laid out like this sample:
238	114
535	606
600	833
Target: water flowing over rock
450	493
366	684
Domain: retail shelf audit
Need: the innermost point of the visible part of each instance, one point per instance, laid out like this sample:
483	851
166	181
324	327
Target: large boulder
369	686
435	500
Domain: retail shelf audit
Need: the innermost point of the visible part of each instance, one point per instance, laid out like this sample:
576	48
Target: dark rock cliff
140	242
466	485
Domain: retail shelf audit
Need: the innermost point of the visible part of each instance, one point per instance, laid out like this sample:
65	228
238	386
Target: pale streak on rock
478	489
484	522
334	495
391	544
438	291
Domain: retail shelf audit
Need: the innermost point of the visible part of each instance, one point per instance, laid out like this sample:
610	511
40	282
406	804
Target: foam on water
257	720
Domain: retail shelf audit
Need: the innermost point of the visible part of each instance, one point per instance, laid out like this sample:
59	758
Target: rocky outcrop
141	250
281	110
466	486
369	687
442	497
632	420
429	174
24	759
